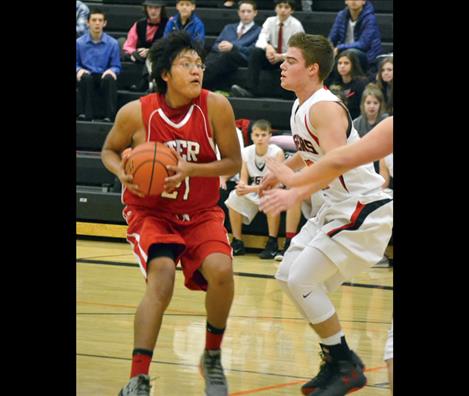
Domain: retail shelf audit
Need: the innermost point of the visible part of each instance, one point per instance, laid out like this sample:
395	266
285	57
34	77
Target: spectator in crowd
82	16
243	202
186	20
142	35
371	108
228	4
384	80
232	47
97	66
271	47
351	82
356	28
307	5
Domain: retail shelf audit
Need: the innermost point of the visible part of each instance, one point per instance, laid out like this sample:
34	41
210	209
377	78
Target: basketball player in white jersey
351	230
375	145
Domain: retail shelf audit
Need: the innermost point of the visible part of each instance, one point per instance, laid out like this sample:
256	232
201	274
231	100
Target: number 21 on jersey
175	193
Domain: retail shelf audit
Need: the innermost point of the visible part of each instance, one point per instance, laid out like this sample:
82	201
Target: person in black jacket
351	82
142	35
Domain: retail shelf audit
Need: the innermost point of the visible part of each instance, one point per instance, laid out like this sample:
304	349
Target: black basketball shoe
238	247
270	250
326	373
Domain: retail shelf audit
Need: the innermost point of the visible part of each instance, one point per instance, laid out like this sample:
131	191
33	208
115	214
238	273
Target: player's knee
160	271
219	273
296	282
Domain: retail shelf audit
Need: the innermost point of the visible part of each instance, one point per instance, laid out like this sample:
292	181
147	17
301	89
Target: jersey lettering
304	145
255	180
188	150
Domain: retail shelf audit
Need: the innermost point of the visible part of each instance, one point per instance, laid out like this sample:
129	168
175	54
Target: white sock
332	340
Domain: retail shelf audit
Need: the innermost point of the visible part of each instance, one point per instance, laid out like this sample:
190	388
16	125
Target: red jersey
188	131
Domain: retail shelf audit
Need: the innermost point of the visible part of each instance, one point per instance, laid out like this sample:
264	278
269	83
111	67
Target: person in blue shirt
232	47
82	16
356	28
186	20
98	64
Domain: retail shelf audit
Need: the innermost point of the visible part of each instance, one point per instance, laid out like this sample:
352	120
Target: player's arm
374	145
225	135
330	122
242	188
127	123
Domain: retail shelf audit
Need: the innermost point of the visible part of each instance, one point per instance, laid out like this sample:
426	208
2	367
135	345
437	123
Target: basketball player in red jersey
184	224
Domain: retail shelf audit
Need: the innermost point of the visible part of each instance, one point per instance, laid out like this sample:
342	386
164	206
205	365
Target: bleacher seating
121	17
98	198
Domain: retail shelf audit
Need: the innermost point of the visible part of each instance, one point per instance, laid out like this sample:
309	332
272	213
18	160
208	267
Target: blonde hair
372	90
263	125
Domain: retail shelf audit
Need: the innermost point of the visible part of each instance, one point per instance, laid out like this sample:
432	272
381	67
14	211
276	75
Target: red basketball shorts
200	234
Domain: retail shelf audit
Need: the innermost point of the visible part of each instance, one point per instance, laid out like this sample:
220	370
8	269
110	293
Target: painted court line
256	390
277	386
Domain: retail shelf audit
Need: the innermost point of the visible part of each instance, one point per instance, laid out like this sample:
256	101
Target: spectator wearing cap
232	47
82	16
186	20
271	46
142	35
97	66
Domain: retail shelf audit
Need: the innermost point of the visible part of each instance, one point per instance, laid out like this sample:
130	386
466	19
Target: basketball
147	164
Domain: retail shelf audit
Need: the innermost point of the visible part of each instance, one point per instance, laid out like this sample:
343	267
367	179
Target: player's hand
269	181
180	172
125	179
242	188
283	173
277	200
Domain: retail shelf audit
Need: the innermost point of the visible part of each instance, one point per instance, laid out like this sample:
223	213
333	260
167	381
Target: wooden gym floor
268	349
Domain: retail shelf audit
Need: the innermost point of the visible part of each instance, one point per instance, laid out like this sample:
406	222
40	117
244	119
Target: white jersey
359	181
256	163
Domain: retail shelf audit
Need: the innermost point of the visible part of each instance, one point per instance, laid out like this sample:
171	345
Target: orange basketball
147	163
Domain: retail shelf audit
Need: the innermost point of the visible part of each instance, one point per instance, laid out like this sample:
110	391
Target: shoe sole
308	391
305	391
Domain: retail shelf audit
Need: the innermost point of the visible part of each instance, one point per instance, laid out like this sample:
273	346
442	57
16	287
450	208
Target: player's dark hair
165	50
97	11
316	49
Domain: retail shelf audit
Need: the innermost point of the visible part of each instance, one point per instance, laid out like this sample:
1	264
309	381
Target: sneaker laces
214	369
325	368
